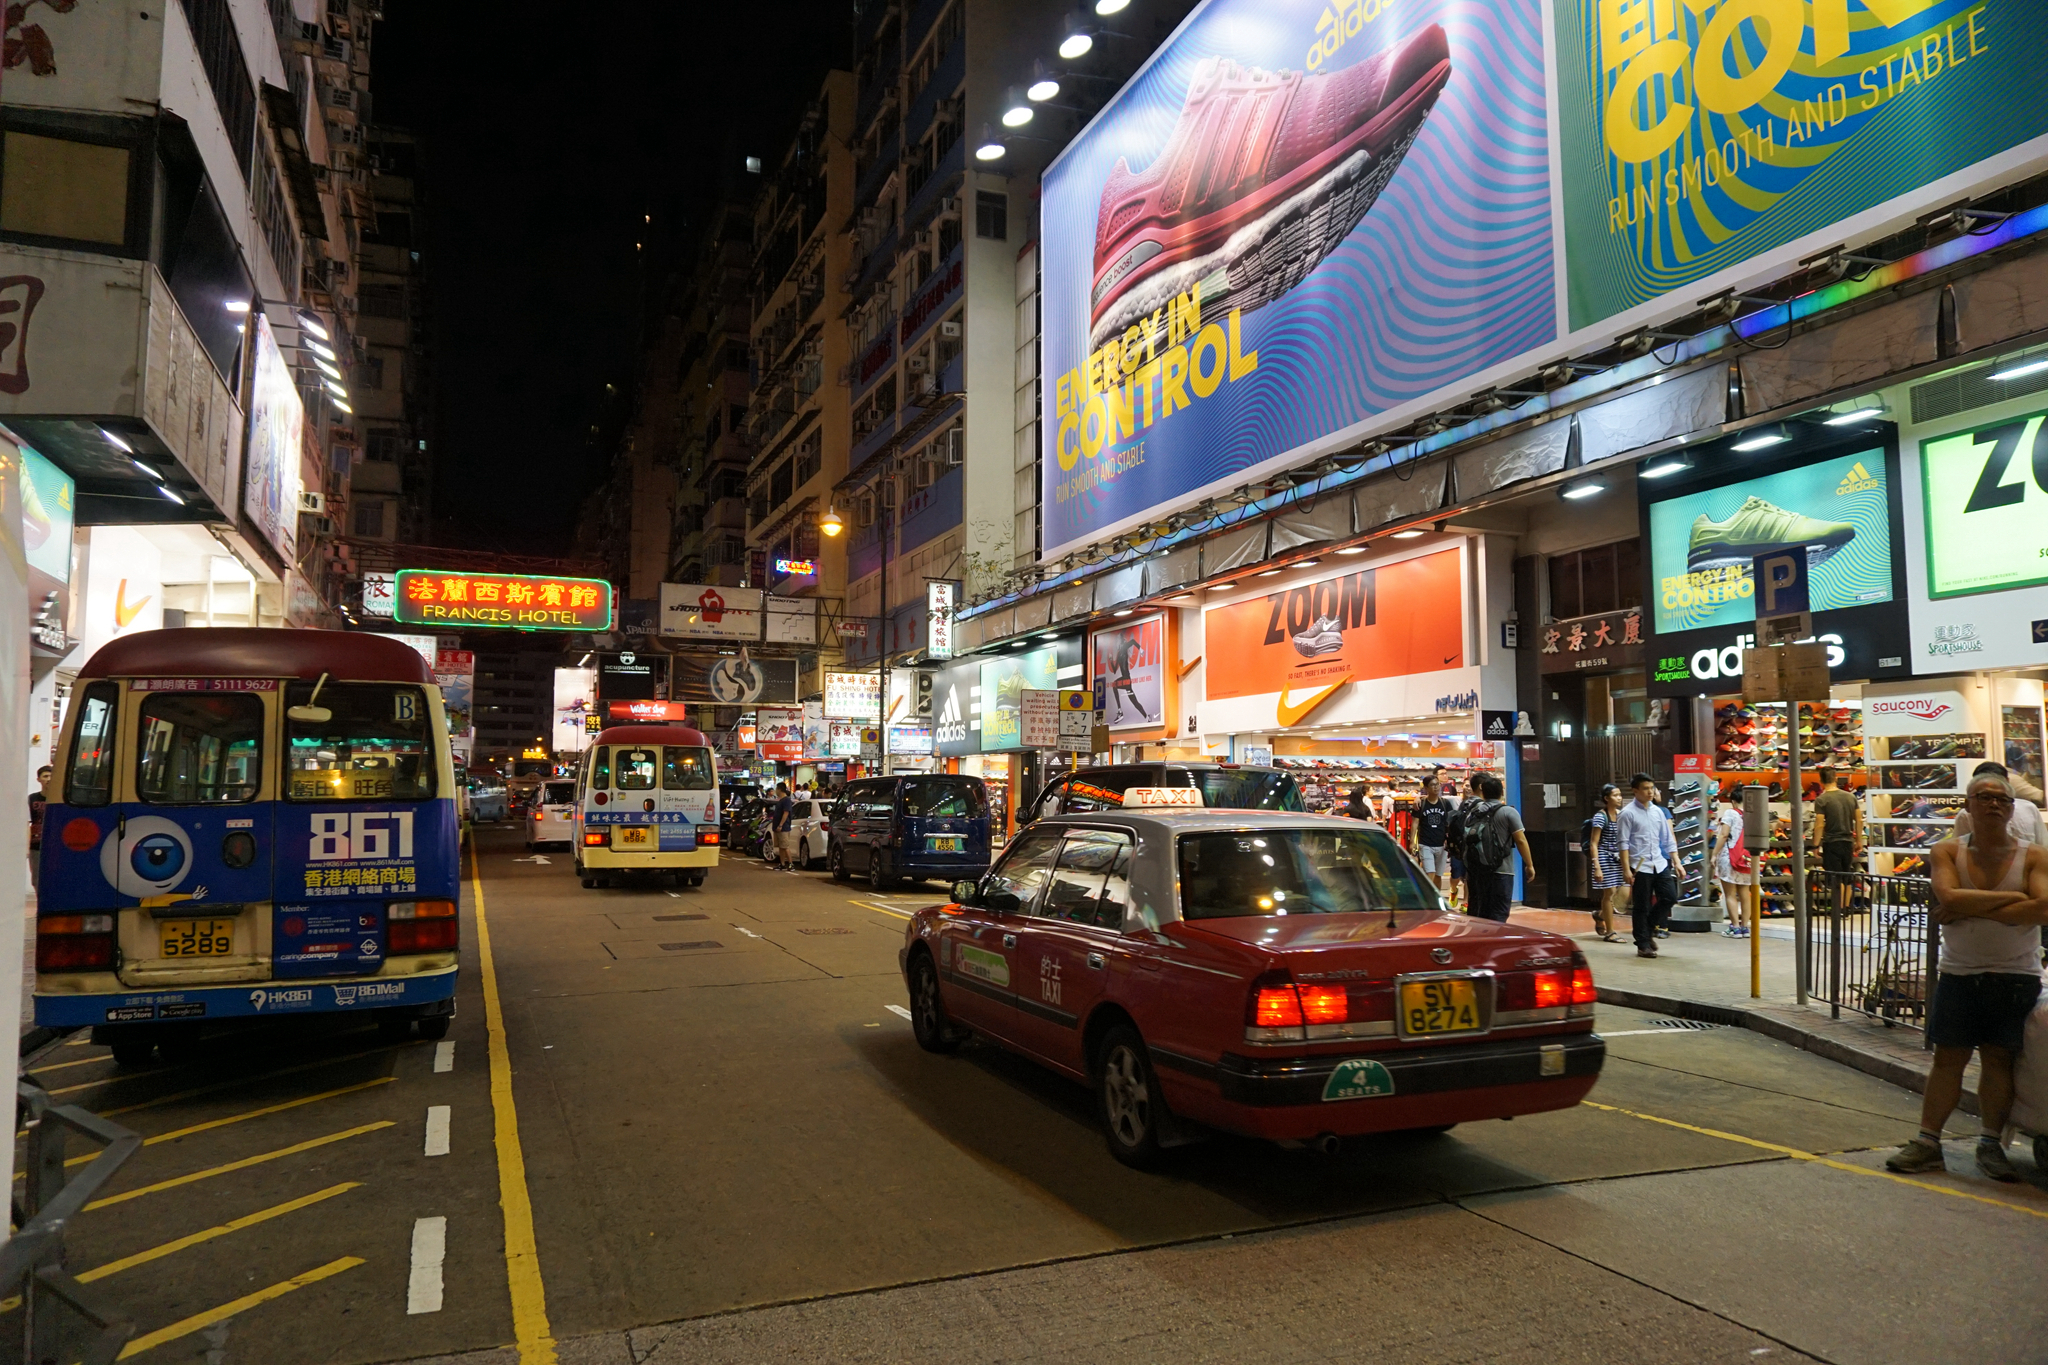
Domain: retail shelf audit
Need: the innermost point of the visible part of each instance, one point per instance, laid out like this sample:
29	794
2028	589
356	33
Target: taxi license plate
945	843
196	937
633	836
1429	1007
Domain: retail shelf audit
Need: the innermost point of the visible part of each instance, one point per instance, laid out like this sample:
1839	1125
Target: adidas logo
949	714
1857	480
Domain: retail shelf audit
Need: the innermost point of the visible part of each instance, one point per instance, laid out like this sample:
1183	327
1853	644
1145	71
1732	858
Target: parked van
924	826
1224	786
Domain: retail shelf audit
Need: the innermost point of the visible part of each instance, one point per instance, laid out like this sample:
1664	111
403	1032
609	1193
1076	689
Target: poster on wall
277	423
1383	622
1003	685
1304	221
47	494
575	703
1702	544
1128	666
1977	569
817	731
455	675
779	732
735	679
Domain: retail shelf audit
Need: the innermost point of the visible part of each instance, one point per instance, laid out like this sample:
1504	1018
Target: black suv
1224	786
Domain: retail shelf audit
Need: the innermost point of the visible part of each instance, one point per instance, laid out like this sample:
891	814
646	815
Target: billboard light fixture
1078	37
326	368
236	305
1105	8
1664	466
1410	534
116	440
2034	366
169	494
1762	440
990	148
318	349
1041	89
1350	550
1582	489
313	325
1017	110
339	403
1854	415
150	470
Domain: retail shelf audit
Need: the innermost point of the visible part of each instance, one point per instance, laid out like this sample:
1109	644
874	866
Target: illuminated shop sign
436	597
800	568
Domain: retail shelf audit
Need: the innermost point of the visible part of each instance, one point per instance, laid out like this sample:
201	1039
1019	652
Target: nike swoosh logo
123	613
1291	714
1450	659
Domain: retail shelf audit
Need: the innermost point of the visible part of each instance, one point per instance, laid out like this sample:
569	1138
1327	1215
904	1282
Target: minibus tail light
74	943
597	838
420	927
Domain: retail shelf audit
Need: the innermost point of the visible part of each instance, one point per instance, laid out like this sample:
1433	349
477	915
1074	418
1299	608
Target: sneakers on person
1991	1160
1646	952
1918	1155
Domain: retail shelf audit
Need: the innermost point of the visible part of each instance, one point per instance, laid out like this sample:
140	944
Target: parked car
812	821
733	796
1281	976
920	826
1224	786
488	800
551	819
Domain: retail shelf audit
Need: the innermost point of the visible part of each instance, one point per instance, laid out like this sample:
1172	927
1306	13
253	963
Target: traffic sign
1783	611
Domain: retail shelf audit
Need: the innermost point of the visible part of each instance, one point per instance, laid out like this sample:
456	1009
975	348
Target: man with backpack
1649	858
1493	835
1432	829
1454	837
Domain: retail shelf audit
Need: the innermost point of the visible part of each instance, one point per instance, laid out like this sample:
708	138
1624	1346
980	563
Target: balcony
946	78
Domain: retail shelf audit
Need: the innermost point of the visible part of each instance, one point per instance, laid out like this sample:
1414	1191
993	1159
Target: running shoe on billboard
1758	527
1263	175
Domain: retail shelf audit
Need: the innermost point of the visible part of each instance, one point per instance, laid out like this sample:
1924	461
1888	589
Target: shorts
786	843
1457	868
1724	871
1982	1009
1435	858
1838	855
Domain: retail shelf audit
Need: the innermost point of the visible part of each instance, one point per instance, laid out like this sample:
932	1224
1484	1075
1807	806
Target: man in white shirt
1649	859
1992	890
2027	825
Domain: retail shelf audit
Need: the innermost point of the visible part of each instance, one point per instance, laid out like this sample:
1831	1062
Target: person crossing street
1649	856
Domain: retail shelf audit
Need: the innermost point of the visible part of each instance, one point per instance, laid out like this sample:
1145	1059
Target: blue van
923	826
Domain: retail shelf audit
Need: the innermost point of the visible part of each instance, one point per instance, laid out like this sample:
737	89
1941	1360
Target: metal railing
61	1320
1872	949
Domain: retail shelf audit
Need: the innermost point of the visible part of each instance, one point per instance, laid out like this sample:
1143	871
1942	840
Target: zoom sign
1863	643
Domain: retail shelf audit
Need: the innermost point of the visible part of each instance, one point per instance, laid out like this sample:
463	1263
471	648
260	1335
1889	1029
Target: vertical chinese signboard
438	597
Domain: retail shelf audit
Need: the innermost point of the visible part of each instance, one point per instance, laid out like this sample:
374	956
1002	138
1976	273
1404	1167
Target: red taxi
1282	976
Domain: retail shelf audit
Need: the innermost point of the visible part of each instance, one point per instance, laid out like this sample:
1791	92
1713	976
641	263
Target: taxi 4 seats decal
1358	1078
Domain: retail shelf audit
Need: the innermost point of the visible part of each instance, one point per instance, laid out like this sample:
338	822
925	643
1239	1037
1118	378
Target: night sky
547	137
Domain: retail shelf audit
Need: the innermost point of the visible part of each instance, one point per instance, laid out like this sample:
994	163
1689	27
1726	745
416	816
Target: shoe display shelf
1758	738
1326	783
1692	825
1913	803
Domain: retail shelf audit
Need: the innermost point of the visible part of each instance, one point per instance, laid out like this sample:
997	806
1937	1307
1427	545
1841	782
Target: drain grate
1697	1024
824	931
687	947
666	918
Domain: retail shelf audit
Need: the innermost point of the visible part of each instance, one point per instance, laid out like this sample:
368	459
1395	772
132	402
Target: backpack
1487	841
1739	859
1589	838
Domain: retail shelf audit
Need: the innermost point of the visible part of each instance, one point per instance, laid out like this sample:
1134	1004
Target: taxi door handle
1009	940
1095	961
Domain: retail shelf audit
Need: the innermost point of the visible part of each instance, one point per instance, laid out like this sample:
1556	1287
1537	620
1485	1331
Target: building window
220	55
779	487
369	518
55	187
808	460
1603	578
992	215
383	444
381	300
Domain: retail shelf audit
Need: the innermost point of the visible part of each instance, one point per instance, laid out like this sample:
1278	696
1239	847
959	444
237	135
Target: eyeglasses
1995	798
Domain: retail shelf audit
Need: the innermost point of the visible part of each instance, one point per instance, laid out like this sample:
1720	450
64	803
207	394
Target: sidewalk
1706	977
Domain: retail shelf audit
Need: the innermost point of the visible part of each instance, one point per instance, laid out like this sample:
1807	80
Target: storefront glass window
1603	578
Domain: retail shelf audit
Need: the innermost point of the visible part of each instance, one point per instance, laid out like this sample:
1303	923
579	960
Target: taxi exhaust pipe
1326	1144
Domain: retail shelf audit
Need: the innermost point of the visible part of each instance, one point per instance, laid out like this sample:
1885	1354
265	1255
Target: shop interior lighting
1664	466
312	324
1410	534
1269	573
1184	597
2029	367
582	661
236	305
1843	419
1017	110
150	470
117	440
1773	436
1352	550
1584	488
169	494
1309	563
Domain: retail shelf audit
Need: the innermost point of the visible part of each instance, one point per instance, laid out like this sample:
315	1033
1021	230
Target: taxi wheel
837	860
1129	1095
935	1033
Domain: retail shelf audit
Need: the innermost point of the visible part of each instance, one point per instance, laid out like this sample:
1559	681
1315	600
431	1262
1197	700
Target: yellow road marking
177	1095
869	905
211	1124
59	1066
530	1328
243	1164
1829	1162
197	1321
100	1272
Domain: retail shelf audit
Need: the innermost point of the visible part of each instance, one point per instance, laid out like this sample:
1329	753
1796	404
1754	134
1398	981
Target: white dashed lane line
444	1056
437	1130
429	1249
897	1009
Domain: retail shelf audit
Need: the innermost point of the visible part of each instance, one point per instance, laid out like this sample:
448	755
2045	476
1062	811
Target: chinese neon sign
434	597
800	568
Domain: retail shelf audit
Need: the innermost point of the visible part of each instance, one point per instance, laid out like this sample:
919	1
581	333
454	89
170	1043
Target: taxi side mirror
964	892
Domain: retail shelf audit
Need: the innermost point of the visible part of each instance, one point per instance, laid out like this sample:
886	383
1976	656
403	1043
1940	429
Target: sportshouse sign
1304	221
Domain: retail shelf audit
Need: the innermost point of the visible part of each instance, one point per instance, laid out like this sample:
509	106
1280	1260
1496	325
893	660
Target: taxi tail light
597	838
420	927
1273	1010
73	943
1583	995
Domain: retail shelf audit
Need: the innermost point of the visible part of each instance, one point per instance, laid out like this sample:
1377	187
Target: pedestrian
37	801
1454	838
778	823
1838	829
1432	828
1992	893
2027	826
1602	840
1493	835
1358	808
1734	868
1649	854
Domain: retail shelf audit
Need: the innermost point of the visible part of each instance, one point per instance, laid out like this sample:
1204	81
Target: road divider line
60	1066
279	1108
196	1091
530	1330
429	1250
437	1129
175	1181
188	1326
444	1056
897	1009
870	905
157	1253
1797	1155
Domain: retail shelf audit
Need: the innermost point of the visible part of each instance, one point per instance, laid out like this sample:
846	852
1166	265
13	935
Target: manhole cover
666	918
1682	1023
824	931
686	947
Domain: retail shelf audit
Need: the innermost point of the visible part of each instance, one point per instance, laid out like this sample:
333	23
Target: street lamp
990	147
831	523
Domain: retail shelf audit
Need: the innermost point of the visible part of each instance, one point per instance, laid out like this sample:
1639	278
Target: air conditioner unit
310	501
864	508
927	385
949	328
323	527
919	363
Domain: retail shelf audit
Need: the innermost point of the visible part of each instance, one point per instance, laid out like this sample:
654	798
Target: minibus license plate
945	843
197	937
633	836
1439	1007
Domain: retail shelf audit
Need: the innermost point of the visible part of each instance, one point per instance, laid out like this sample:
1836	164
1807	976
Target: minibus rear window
377	744
686	770
91	779
634	768
198	749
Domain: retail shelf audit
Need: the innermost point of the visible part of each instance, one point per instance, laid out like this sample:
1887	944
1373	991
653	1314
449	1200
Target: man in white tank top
1992	894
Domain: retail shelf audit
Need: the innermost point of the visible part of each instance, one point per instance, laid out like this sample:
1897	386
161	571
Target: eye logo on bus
152	859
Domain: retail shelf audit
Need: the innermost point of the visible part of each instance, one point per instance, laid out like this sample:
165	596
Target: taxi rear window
1233	873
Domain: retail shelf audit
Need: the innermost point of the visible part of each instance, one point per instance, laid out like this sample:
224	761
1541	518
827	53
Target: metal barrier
1872	949
61	1320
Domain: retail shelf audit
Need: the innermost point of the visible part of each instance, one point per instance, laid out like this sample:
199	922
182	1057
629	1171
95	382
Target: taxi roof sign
1162	796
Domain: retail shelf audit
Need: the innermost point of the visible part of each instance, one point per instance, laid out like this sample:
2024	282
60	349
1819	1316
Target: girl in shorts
1604	860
